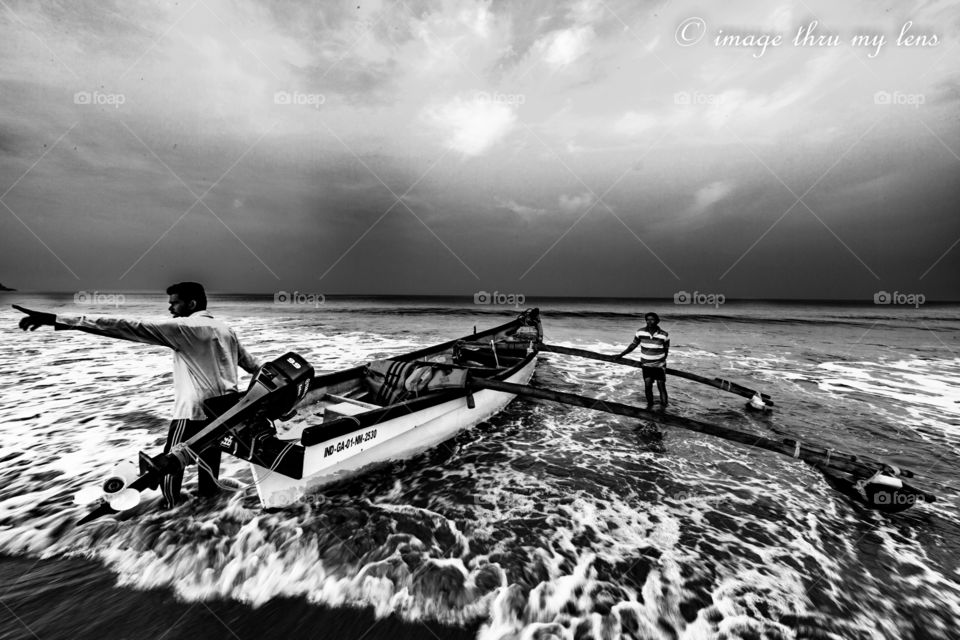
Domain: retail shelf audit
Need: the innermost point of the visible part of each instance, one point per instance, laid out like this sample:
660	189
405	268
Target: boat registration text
350	442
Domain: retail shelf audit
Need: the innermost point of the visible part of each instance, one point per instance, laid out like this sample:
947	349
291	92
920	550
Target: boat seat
483	355
356	401
342	410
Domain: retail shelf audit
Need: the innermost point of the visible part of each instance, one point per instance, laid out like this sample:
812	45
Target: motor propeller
114	490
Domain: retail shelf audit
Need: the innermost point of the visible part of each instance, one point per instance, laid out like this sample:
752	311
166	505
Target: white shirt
206	353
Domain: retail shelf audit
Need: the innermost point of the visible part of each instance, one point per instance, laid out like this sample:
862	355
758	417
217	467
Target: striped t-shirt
653	347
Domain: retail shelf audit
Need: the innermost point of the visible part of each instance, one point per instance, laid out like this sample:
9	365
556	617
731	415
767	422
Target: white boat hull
394	439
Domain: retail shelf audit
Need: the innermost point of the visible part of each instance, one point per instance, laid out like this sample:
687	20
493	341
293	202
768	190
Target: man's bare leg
648	387
662	388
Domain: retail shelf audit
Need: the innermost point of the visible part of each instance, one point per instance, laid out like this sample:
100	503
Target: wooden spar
719	383
812	455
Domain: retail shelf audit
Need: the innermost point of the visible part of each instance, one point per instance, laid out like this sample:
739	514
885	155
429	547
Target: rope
861	485
276	463
182	453
201	464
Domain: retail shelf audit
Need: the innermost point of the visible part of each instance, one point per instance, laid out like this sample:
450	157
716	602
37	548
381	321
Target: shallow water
546	521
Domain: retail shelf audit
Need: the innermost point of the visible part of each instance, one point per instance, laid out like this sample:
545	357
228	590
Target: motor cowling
286	381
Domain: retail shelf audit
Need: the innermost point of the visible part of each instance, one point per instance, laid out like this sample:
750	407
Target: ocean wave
545	519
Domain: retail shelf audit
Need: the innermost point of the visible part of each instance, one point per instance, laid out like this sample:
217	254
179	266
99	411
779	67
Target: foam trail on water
545	521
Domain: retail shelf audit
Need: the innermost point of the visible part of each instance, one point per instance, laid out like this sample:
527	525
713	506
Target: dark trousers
181	430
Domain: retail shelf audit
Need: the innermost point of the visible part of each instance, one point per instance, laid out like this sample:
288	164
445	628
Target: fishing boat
301	431
389	409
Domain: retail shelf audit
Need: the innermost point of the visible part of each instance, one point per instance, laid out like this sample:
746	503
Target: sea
546	521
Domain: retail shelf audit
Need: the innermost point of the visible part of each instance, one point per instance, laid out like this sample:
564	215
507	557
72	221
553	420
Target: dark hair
656	318
188	291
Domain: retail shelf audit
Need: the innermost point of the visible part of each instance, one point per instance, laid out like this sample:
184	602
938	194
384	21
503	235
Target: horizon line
670	299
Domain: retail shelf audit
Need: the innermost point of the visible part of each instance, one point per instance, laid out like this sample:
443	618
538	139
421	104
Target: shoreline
73	599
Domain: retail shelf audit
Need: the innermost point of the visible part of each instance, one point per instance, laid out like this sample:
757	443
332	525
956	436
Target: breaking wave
545	521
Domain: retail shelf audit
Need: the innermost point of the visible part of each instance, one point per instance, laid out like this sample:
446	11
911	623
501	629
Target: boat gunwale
335	377
342	426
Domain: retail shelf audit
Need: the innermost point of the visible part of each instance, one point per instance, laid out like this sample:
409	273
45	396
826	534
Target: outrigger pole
719	383
873	483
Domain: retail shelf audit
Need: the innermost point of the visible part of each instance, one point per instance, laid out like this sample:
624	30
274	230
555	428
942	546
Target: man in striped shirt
206	354
654	345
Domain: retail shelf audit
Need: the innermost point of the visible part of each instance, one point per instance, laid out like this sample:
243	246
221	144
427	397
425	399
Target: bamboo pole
813	455
719	383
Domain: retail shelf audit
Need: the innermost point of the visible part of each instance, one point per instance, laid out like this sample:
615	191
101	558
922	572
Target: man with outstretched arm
654	345
206	354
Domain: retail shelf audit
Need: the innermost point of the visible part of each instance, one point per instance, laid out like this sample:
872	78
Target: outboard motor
285	381
888	493
273	394
884	491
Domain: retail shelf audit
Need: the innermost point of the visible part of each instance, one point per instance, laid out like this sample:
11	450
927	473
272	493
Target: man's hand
35	319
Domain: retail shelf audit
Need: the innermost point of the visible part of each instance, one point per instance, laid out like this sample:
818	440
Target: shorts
656	373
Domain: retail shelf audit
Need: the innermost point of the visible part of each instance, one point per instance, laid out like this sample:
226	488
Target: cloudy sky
580	148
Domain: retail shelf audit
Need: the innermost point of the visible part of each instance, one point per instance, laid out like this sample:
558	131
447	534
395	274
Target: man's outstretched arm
35	319
633	345
164	334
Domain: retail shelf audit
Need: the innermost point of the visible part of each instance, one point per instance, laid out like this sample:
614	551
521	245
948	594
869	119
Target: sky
767	150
